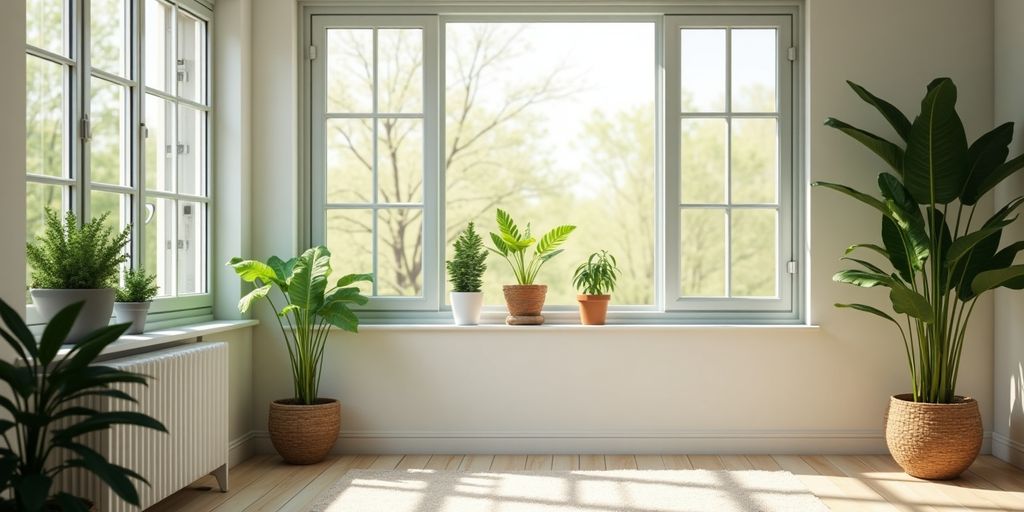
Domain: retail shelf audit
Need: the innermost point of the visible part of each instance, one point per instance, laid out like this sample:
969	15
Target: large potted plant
50	427
133	298
938	259
525	300
465	272
595	280
304	428
72	263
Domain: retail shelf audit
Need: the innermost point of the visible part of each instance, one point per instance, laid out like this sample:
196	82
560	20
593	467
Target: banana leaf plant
43	432
511	243
308	308
940	253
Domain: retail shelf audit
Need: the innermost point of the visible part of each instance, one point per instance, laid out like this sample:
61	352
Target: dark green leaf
999	174
32	491
890	153
860	196
354	278
17	327
985	156
935	165
868	309
892	114
1010	277
866	264
56	332
907	301
898	251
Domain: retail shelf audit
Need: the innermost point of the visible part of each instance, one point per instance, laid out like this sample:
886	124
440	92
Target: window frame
788	309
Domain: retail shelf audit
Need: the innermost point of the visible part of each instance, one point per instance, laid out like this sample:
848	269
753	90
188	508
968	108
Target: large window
666	139
117	115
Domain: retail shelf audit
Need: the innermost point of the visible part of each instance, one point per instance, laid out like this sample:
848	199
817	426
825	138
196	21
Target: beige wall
701	389
1008	371
12	156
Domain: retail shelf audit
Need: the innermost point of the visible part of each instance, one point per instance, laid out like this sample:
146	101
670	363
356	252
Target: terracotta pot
933	441
304	434
593	308
525	299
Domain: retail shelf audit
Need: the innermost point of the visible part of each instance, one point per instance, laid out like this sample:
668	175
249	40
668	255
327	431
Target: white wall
1008	372
655	389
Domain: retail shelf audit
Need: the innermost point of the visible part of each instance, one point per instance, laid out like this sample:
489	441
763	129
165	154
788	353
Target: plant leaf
554	238
56	332
354	278
892	114
507	226
985	155
935	164
251	270
1010	277
246	302
891	153
26	342
907	301
860	196
868	309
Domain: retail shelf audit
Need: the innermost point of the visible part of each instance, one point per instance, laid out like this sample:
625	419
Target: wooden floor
843	482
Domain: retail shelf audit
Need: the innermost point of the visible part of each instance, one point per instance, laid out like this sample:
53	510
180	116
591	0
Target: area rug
569	491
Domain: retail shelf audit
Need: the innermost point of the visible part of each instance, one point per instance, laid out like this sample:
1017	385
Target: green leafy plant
512	244
466	269
67	256
138	286
309	308
45	406
597	275
940	259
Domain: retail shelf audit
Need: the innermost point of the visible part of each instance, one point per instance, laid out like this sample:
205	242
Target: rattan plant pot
933	441
304	434
525	299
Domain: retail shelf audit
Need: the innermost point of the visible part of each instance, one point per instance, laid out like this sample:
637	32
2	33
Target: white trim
1008	450
242	448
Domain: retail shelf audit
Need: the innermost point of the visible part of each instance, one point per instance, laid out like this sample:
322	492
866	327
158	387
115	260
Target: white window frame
669	308
77	185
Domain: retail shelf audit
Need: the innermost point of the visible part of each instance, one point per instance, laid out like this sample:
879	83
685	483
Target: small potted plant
595	280
133	299
525	300
465	273
72	263
303	429
43	413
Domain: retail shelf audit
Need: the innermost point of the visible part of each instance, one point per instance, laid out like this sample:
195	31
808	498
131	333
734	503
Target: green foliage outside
67	256
466	269
939	260
512	244
138	286
597	275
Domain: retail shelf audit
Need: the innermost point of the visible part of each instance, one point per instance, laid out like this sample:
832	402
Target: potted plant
72	263
44	404
133	299
465	273
595	280
304	428
525	300
939	259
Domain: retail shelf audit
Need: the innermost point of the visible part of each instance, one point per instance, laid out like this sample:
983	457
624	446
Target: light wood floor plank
204	494
677	462
509	463
298	477
619	462
475	463
592	462
413	462
654	462
824	487
259	487
903	497
709	462
565	462
947	495
763	462
853	489
303	500
444	462
736	462
538	462
386	462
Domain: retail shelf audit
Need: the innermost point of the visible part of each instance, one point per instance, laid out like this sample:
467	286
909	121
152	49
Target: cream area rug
569	491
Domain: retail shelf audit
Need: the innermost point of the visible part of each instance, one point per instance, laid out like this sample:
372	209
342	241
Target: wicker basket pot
525	299
933	441
304	434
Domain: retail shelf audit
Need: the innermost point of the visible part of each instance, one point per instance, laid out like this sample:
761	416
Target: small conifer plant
466	269
67	256
138	286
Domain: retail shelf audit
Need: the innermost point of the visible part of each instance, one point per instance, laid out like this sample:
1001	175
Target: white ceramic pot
95	313
133	313
466	307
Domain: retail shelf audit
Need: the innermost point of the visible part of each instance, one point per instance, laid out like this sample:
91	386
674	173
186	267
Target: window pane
349	160
158	45
554	122
191	151
400	160
702	70
755	160
753	70
754	265
45	25
350	70
108	147
160	246
45	117
191	247
702	160
159	144
116	206
400	250
38	197
107	33
191	64
702	253
350	239
400	64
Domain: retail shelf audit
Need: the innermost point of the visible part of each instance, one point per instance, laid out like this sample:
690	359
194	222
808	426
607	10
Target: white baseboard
692	442
243	447
1008	449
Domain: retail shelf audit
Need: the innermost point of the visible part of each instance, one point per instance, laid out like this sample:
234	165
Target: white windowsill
578	327
135	343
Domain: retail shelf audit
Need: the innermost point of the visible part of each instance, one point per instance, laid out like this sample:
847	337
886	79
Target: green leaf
863	279
868	309
26	342
56	332
259	293
871	247
935	164
554	238
889	152
20	378
896	246
892	114
308	281
282	269
354	278
860	196
1002	172
500	247
963	245
1010	277
985	156
907	301
908	218
251	270
346	295
32	490
866	264
339	315
507	226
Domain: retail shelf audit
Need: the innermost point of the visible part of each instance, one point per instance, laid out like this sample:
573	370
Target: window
666	139
117	122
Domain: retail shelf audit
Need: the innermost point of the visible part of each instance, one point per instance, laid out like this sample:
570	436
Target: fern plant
512	244
597	275
138	286
466	269
69	256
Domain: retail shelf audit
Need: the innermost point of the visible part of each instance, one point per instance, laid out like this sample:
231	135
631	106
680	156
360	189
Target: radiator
188	393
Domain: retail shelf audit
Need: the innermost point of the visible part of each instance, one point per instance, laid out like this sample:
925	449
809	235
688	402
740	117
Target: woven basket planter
525	299
304	434
933	441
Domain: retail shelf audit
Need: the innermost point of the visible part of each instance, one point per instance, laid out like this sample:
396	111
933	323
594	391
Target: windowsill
135	343
578	327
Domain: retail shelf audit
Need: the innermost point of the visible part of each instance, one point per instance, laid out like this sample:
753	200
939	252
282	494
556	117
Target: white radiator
188	393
